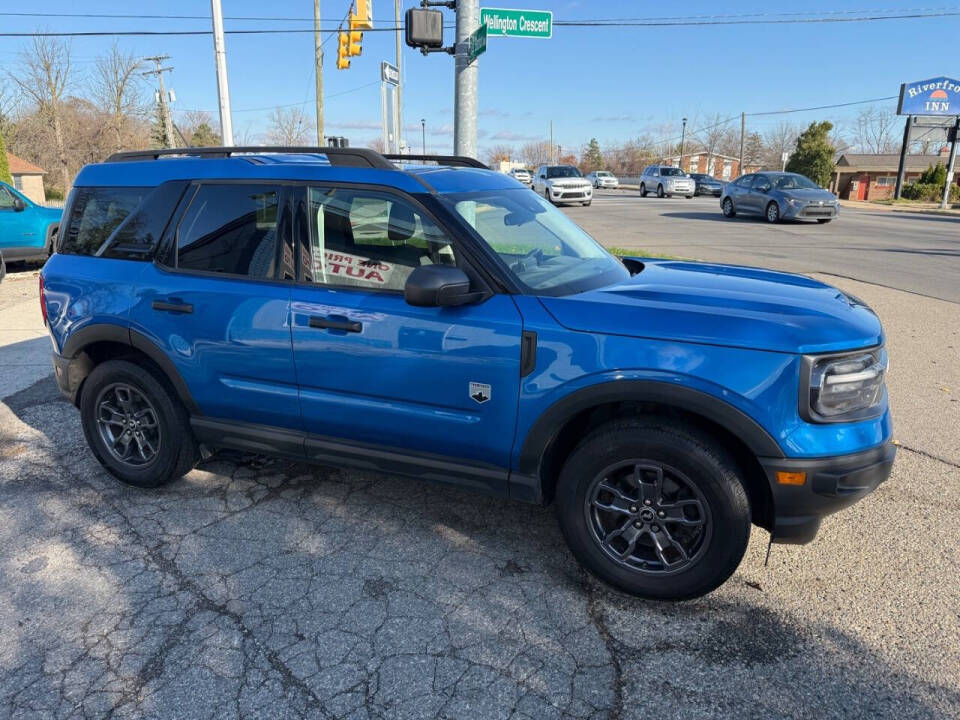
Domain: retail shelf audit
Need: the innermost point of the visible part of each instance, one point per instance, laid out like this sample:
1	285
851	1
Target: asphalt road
908	251
259	588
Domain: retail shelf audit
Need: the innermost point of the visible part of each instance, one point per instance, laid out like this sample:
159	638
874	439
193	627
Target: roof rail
451	160
341	157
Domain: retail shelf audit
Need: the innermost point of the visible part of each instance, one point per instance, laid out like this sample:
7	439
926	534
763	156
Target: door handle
327	324
174	307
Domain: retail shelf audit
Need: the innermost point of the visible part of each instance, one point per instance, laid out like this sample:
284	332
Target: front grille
817	211
572	195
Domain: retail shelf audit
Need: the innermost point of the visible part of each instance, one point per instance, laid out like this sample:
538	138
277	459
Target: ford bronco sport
445	322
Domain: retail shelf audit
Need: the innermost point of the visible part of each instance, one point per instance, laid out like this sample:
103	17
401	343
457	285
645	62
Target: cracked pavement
265	588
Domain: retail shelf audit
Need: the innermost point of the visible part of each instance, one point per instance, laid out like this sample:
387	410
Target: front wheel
773	212
654	507
643	190
135	425
688	196
824	220
660	192
587	203
546	194
727	207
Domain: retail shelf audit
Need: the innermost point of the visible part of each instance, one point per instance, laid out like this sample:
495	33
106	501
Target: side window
93	215
6	199
761	183
368	239
230	229
745	181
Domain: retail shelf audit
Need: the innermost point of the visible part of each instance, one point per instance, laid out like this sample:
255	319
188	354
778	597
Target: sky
611	83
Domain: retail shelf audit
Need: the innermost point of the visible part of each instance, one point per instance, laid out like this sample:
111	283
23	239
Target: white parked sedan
520	175
603	179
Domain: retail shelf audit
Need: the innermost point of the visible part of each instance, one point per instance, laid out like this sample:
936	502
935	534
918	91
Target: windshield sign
542	248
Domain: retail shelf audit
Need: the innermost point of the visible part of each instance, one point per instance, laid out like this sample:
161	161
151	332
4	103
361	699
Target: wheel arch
94	344
558	430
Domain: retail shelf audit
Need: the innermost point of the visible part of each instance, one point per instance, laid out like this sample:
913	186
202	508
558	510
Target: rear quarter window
93	215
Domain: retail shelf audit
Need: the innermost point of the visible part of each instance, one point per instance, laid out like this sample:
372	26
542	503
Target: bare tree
44	78
715	134
117	89
377	144
195	128
535	153
498	154
289	126
875	131
778	140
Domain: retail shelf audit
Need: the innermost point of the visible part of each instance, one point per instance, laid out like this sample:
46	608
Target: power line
296	104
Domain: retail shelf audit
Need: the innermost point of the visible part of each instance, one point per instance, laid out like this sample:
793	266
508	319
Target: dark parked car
779	196
707	185
450	324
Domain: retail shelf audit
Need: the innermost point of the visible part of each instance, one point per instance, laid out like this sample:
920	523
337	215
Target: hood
723	305
809	194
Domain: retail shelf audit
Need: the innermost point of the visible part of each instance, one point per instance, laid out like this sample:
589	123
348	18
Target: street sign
936	96
517	23
478	43
389	73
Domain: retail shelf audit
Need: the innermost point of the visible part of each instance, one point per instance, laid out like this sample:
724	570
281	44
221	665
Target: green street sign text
478	43
517	23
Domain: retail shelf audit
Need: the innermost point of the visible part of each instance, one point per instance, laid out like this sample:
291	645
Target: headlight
795	202
843	388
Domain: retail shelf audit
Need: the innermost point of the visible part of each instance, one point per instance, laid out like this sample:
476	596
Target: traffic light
354	45
343	51
364	15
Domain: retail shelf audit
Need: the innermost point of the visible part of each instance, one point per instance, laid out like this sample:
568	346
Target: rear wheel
135	425
727	207
773	212
655	508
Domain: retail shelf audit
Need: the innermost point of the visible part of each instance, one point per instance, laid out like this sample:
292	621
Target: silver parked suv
666	181
561	184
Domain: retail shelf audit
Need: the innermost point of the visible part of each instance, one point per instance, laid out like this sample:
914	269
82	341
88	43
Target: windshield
795	182
671	171
562	171
541	247
602	173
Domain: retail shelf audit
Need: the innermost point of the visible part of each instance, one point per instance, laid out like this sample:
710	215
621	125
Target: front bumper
678	189
810	211
705	190
608	184
571	194
831	484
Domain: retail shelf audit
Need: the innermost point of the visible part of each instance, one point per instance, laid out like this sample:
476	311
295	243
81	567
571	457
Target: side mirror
19	205
439	286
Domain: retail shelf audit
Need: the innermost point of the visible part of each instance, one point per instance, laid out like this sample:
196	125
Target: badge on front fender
479	392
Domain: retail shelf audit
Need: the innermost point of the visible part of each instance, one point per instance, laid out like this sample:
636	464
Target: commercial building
720	166
874	177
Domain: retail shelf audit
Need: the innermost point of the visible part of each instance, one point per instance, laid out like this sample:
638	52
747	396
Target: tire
824	220
727	208
587	203
175	447
688	196
772	213
707	482
643	190
660	191
546	194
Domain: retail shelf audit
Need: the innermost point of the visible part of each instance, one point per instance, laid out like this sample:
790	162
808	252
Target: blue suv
27	231
443	321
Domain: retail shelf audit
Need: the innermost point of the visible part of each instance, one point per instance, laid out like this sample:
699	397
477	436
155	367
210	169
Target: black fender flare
106	332
548	425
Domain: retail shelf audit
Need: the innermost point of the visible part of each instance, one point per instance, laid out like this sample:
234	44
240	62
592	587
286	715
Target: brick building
27	178
874	177
723	167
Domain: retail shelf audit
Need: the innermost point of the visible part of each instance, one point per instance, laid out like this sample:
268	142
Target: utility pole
223	89
423	135
318	70
945	202
396	10
465	81
743	129
551	161
164	108
683	136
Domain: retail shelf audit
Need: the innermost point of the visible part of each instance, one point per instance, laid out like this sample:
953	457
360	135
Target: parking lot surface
908	251
262	588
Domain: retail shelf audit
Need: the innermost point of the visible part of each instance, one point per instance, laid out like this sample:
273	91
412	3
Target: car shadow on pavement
256	585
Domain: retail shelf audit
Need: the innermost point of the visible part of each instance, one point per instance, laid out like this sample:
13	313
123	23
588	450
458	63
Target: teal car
27	231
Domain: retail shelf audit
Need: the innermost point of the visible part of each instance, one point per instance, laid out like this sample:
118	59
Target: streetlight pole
423	134
683	136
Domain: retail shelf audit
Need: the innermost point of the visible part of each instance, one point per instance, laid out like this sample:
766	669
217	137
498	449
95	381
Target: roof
889	162
19	166
285	166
